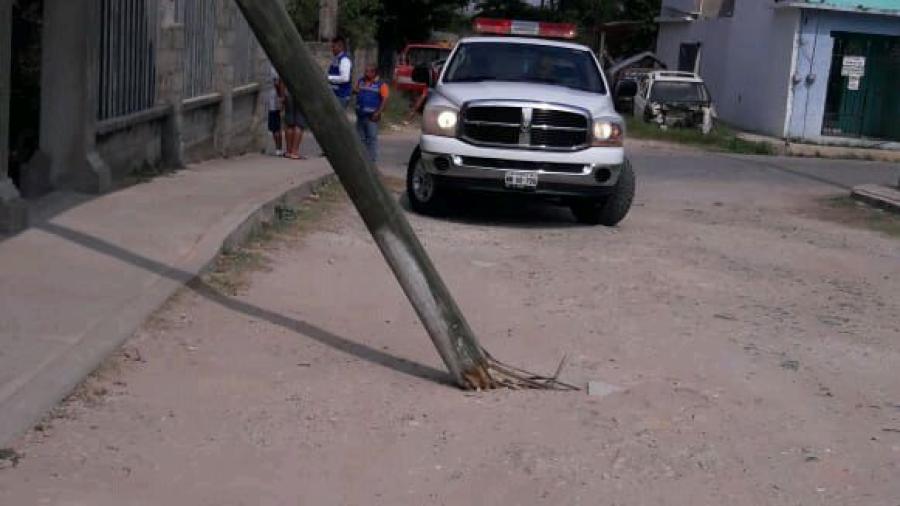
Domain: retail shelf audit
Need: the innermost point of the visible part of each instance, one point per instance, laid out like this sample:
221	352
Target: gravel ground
745	349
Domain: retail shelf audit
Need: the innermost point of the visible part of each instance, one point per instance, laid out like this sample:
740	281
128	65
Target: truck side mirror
626	89
422	74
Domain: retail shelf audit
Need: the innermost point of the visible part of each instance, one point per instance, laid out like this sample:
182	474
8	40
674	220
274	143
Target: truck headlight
607	133
440	121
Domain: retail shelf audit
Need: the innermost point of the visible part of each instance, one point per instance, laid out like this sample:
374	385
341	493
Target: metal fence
128	35
200	27
244	51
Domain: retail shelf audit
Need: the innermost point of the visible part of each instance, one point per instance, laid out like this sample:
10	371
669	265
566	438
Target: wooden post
422	284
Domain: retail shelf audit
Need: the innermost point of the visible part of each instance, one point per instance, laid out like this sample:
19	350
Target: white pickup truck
523	115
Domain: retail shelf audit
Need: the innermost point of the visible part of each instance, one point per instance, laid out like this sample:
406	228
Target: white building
822	71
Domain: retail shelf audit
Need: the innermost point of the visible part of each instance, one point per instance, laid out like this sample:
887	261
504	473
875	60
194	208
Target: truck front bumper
588	173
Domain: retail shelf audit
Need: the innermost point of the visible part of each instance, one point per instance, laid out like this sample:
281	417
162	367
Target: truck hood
460	93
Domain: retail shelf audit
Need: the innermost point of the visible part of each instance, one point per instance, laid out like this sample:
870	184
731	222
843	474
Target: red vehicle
414	55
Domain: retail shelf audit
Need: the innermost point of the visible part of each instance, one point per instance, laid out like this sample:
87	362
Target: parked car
528	115
674	99
414	55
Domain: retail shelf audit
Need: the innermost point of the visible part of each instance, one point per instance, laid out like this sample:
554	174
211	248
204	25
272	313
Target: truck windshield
677	91
530	63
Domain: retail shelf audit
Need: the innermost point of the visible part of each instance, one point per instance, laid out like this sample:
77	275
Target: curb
826	151
61	374
882	197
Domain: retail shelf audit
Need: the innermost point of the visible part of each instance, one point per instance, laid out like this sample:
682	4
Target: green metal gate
868	105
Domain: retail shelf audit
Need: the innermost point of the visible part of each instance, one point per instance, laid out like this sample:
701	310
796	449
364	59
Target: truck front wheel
421	187
612	209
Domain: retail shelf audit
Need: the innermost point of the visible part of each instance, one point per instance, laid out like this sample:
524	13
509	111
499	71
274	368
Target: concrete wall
66	122
247	123
198	133
745	60
814	61
135	149
13	216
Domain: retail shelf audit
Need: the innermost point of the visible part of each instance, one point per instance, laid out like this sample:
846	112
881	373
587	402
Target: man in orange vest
371	97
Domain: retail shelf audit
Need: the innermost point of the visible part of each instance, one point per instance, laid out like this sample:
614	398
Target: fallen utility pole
465	359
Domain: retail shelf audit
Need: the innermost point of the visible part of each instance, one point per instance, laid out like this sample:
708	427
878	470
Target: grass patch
721	138
851	212
232	269
397	108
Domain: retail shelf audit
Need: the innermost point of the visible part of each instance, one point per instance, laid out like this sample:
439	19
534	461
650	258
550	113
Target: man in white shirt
340	71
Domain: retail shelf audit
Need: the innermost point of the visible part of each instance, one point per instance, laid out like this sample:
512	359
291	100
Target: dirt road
747	353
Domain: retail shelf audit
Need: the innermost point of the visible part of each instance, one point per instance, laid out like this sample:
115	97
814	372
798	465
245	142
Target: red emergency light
525	28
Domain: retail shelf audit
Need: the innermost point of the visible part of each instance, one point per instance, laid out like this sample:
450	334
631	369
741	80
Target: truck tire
612	209
422	189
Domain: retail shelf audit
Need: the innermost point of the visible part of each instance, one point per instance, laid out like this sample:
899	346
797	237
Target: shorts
292	115
274	121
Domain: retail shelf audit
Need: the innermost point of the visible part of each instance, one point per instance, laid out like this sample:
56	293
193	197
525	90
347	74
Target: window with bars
244	52
200	19
127	66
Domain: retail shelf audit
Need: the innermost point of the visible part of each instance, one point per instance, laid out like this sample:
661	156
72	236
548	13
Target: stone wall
181	130
136	149
198	132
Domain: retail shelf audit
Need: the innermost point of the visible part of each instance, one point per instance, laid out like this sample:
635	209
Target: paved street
747	350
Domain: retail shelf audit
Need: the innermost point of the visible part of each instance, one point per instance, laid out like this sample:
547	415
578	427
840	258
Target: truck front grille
496	163
525	127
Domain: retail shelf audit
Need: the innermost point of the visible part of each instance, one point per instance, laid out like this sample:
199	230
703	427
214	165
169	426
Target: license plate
521	180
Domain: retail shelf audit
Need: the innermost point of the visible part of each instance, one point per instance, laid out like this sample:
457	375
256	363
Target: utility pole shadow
198	286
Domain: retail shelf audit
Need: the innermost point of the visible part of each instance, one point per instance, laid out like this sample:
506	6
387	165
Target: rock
602	389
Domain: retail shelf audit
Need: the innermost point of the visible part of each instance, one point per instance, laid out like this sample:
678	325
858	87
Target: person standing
295	124
276	103
371	97
340	71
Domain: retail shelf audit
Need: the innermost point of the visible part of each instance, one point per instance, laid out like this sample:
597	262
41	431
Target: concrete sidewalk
801	149
76	285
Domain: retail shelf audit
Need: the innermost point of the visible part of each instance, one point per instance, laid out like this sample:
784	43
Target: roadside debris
10	456
601	389
791	365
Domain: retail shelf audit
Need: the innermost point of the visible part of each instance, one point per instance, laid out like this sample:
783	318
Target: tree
404	21
358	20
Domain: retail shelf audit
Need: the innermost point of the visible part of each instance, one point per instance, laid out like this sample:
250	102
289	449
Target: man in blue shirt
340	70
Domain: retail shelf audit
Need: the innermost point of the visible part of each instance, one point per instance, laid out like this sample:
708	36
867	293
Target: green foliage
644	12
305	14
721	138
397	22
415	20
358	20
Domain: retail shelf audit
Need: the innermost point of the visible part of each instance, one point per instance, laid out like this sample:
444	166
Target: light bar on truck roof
525	28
